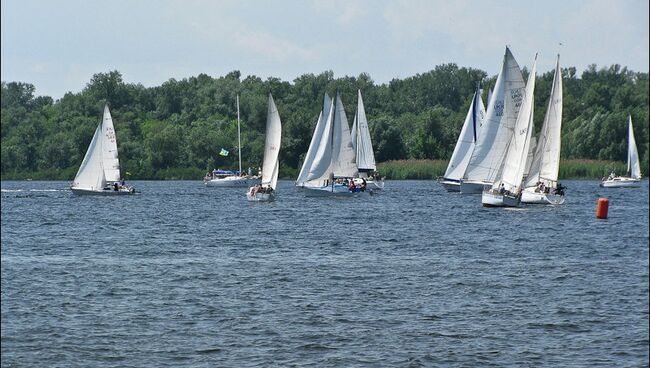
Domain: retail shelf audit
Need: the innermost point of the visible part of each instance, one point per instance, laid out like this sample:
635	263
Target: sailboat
633	177
362	145
334	165
506	190
304	175
541	185
223	178
465	144
492	142
99	172
270	165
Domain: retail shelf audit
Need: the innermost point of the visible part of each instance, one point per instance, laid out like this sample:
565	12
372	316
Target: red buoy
603	206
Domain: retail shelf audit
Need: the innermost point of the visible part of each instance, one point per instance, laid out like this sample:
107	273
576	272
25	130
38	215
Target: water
183	275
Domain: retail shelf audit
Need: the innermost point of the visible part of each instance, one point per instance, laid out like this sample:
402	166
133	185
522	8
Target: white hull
490	199
621	182
451	186
532	197
232	182
261	197
329	191
375	185
473	187
106	192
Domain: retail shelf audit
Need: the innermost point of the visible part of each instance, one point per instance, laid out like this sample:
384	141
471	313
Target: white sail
109	148
632	154
320	168
531	155
489	96
343	155
271	145
315	141
546	162
515	160
498	126
468	136
91	173
360	137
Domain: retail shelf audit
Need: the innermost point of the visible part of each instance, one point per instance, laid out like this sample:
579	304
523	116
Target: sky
58	45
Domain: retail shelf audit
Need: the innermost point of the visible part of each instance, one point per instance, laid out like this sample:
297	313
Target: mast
238	135
476	94
332	139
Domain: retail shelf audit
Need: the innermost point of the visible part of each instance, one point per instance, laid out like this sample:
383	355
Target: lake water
184	275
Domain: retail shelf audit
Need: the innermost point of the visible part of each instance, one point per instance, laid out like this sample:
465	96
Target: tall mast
238	135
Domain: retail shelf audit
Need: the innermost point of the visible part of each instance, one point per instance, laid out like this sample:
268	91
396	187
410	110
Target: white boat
362	145
99	173
541	185
506	190
221	178
465	144
270	164
492	142
633	177
334	164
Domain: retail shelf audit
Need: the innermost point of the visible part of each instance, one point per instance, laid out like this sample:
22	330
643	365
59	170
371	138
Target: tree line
177	129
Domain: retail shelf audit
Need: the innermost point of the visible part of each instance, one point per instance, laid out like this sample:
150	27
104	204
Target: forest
176	130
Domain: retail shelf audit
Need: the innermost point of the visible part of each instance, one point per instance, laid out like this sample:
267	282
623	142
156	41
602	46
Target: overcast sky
59	45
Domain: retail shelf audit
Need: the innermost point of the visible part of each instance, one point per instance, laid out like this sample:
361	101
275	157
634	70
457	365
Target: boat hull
232	182
111	192
329	191
260	197
451	186
532	197
490	199
467	187
375	185
621	182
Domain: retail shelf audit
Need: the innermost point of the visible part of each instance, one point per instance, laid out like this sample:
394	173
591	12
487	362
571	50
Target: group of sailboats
339	161
497	154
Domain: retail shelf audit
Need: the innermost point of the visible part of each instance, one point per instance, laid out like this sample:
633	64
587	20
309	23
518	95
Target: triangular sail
109	148
468	136
531	157
632	154
271	145
315	141
498	126
546	162
360	138
91	173
320	168
343	156
515	160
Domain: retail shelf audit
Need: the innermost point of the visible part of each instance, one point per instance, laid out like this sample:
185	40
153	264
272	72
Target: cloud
265	44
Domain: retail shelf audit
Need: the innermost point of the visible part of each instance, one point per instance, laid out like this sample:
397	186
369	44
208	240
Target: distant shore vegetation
176	130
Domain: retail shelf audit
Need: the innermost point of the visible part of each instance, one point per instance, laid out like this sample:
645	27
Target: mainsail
271	146
468	136
515	160
361	142
633	167
492	144
343	155
546	161
109	148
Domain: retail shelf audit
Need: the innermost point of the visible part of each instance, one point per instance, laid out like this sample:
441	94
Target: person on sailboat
559	190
